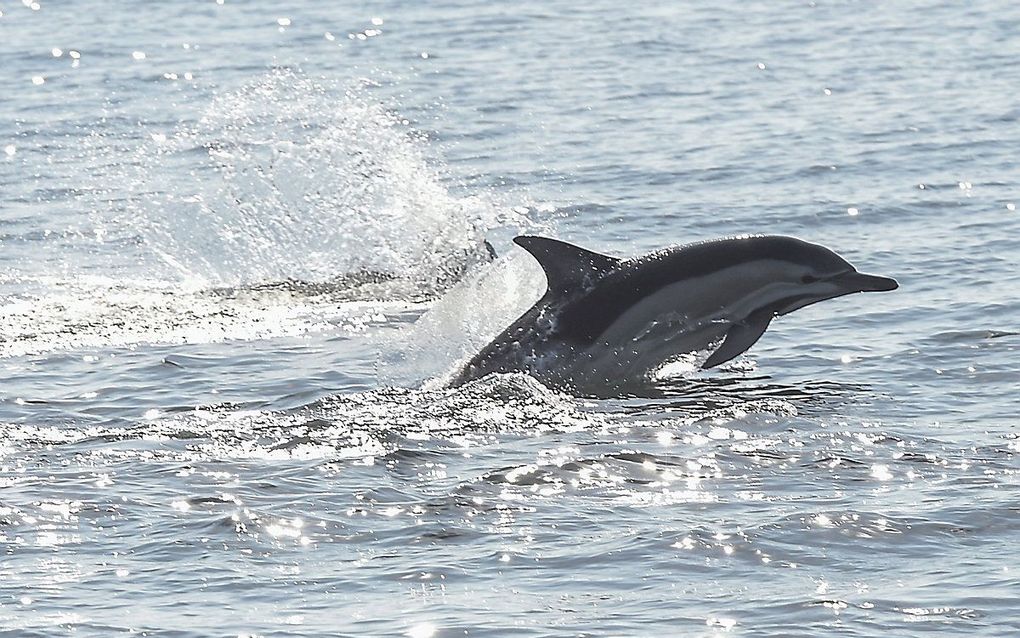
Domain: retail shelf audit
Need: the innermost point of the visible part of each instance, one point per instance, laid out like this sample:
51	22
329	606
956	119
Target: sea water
240	242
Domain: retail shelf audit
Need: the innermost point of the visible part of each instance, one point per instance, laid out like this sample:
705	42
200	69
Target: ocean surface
242	243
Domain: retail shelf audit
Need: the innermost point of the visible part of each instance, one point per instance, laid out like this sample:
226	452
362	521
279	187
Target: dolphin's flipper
567	267
739	338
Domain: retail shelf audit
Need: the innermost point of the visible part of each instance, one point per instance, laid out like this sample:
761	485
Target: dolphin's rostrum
607	323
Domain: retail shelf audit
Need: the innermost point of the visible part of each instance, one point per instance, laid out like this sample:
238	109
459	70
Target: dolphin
606	323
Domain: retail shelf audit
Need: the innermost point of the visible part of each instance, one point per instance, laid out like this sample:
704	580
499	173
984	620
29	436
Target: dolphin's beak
854	281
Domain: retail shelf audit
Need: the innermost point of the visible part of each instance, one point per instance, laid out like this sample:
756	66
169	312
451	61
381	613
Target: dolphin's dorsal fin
567	267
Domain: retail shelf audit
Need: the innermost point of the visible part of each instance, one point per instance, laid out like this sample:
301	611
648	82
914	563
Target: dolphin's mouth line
855	281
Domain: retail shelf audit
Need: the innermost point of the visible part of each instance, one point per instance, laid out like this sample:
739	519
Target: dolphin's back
590	315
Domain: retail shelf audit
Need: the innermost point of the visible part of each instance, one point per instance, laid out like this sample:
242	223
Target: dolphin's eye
809	279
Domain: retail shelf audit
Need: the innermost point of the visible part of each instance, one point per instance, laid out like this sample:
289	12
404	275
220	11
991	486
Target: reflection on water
687	395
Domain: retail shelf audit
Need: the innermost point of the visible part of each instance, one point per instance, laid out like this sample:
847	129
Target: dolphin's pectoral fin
567	267
739	338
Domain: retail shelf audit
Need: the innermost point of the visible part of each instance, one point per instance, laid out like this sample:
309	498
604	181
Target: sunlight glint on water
244	244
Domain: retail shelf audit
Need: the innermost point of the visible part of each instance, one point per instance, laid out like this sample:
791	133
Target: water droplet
74	54
828	91
424	55
1010	206
38	79
10	149
56	52
761	66
853	212
330	36
138	55
377	21
283	22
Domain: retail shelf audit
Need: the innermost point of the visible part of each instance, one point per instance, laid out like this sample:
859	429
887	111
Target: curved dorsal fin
567	267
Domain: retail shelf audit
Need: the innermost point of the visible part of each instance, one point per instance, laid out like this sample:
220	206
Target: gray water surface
240	242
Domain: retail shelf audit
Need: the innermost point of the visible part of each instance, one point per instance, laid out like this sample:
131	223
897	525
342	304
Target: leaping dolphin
607	323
